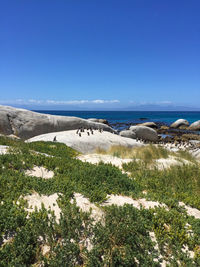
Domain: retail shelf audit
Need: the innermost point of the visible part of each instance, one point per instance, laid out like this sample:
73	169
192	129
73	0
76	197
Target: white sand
85	205
40	153
118	162
45	249
121	200
3	150
50	202
162	163
96	158
156	247
40	172
191	211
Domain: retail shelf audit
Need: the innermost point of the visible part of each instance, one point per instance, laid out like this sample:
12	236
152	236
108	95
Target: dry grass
183	154
146	153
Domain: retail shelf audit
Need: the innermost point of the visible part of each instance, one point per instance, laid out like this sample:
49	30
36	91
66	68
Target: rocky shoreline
165	132
25	124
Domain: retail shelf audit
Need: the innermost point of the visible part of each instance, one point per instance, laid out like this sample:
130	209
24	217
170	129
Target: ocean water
165	117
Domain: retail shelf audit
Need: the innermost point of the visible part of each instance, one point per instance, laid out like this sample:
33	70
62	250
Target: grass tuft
146	153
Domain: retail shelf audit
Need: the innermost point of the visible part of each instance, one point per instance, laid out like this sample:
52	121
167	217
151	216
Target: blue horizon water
165	117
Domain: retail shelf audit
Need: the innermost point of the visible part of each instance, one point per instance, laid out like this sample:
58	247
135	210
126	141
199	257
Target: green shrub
122	237
181	183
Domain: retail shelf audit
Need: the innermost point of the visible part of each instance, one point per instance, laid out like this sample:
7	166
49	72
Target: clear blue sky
105	53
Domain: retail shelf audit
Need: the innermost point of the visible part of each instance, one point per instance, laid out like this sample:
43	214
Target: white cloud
56	102
100	101
80	102
34	101
166	102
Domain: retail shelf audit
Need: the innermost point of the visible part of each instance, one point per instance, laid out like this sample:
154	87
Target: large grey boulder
128	134
88	143
179	123
5	124
145	133
26	124
195	126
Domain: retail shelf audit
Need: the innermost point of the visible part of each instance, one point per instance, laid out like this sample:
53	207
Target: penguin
80	134
54	139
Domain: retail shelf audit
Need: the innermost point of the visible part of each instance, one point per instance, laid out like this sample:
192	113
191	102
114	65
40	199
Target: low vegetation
178	183
123	237
145	153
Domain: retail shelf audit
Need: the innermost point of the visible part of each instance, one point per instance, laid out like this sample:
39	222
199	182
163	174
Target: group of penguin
82	130
174	143
88	130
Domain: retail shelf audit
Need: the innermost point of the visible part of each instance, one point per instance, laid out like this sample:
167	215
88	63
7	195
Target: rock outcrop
149	124
87	143
145	133
180	122
99	120
128	133
195	126
26	124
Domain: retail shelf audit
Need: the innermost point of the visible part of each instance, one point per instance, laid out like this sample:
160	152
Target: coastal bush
70	174
174	236
67	247
122	238
53	149
179	183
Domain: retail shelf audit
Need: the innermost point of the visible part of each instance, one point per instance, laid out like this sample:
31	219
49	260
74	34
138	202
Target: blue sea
126	117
